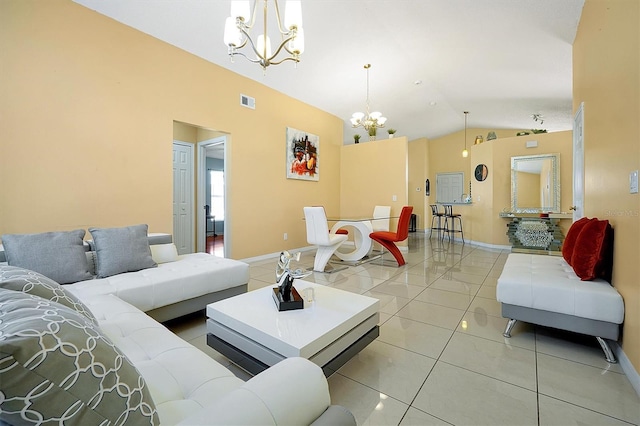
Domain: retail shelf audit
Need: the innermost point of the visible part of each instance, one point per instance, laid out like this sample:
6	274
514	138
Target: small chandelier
465	153
372	120
240	23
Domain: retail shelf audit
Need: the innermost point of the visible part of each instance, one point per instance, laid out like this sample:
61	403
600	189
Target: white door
578	163
183	231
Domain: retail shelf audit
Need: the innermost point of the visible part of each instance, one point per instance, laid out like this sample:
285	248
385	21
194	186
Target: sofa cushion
192	275
548	283
31	282
57	255
121	250
181	378
591	254
56	366
570	240
163	253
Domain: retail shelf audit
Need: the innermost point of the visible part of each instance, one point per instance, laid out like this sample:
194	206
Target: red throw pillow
590	255
570	240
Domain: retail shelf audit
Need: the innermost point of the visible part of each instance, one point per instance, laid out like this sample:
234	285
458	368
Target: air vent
247	101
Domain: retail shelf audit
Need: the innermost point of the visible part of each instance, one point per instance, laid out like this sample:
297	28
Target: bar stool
449	222
436	216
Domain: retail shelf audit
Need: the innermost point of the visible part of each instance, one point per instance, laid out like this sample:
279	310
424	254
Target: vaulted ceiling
501	60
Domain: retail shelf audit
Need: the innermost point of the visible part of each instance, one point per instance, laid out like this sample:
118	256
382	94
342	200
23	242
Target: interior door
183	230
578	163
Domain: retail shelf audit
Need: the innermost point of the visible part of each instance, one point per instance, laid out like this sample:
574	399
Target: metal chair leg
510	325
608	353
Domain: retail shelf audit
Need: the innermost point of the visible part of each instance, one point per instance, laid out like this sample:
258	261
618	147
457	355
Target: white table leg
361	239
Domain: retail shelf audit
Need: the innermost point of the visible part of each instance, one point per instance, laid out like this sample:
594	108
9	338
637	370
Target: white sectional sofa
178	285
81	354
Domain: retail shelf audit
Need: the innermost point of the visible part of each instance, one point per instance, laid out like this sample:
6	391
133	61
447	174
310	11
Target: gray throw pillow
121	250
59	368
56	255
31	282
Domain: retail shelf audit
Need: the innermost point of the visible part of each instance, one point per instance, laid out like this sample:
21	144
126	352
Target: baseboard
627	367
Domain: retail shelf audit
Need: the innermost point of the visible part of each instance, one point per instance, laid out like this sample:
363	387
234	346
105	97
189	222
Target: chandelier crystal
239	25
369	121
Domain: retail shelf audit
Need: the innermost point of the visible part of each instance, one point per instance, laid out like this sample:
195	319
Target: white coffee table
250	331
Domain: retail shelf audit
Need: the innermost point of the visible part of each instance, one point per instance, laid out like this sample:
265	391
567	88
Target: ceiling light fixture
369	121
465	153
240	23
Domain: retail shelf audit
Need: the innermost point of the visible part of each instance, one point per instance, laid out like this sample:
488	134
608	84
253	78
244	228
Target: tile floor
441	358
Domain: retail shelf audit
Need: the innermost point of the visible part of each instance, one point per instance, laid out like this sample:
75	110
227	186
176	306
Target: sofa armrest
292	392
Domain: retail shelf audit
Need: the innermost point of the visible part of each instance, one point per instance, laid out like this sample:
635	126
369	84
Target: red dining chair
389	239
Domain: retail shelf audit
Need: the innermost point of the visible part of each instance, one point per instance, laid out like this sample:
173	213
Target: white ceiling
501	60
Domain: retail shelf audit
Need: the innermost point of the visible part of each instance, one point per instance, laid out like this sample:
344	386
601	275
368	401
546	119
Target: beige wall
490	197
418	173
88	108
606	77
505	148
372	173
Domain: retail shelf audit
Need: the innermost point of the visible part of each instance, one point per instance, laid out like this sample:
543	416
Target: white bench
545	290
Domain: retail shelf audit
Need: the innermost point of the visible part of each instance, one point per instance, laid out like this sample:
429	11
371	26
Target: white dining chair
380	222
318	234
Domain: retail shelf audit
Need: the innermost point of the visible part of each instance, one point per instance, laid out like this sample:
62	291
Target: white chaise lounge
546	290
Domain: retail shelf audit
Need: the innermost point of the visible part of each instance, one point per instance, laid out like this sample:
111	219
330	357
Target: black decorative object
285	295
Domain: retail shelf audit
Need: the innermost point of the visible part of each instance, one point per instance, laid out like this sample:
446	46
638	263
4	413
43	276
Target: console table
528	232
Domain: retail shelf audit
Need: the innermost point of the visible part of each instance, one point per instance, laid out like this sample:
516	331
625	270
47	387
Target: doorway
211	195
200	140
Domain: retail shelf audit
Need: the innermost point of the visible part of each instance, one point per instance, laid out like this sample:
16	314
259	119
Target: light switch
633	182
394	198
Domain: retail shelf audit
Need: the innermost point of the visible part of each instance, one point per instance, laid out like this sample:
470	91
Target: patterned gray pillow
57	255
56	367
26	281
121	250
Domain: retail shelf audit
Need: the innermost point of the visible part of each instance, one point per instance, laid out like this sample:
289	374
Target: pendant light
465	153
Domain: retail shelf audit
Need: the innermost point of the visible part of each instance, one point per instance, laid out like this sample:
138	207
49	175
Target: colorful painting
303	152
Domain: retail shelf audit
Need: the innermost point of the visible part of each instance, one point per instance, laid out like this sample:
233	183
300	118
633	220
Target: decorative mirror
535	183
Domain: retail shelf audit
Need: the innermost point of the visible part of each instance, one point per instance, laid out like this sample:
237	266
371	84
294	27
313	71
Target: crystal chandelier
370	120
239	25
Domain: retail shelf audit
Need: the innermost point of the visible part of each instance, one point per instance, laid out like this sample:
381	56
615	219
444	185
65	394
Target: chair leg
394	250
510	325
323	255
608	353
461	232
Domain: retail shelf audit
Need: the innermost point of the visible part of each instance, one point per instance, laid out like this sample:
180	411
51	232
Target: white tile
415	417
389	304
415	336
420	279
449	299
507	363
429	313
573	347
462	397
393	371
491	327
449	284
481	305
594	388
487	291
404	290
367	405
554	412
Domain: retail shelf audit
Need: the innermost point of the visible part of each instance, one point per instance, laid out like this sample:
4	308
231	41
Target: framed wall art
303	153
